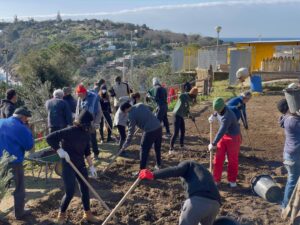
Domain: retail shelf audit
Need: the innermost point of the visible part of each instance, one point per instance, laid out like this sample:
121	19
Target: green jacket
182	107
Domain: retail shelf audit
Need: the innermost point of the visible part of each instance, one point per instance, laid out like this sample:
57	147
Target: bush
5	173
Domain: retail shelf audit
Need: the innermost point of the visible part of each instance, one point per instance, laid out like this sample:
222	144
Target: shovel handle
131	189
88	184
210	140
112	161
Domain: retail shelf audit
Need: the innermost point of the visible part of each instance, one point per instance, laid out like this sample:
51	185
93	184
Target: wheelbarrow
46	158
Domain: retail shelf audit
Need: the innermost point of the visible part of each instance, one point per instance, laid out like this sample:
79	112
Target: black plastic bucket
224	220
265	187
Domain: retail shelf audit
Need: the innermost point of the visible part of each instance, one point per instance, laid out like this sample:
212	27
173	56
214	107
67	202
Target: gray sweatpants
198	210
19	193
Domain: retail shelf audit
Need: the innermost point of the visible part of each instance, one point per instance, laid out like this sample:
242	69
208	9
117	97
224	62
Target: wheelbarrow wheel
58	168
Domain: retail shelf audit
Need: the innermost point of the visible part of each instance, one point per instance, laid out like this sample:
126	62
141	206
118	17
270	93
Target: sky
238	18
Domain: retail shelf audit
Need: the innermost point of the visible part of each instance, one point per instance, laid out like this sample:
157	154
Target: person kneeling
75	145
203	198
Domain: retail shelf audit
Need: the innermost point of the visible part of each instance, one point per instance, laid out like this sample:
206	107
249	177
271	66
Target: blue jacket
236	105
91	103
15	138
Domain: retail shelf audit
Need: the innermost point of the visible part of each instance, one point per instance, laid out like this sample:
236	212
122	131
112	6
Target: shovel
131	189
112	161
210	140
88	184
198	131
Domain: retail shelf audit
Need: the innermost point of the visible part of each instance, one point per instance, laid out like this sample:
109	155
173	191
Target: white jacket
120	90
120	118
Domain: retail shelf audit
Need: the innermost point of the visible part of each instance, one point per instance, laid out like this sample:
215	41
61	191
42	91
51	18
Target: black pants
179	125
69	177
122	132
162	116
148	139
19	192
93	136
109	121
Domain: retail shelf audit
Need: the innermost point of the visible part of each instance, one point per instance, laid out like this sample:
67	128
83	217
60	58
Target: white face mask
103	91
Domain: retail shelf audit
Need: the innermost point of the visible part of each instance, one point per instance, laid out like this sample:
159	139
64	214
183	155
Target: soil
159	202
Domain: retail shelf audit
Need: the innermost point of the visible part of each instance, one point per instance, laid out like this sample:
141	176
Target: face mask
103	91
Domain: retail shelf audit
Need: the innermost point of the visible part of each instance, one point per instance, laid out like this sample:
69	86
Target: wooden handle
210	140
289	207
247	134
89	186
112	161
135	184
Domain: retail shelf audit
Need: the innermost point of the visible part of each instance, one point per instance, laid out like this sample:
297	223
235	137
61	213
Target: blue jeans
293	168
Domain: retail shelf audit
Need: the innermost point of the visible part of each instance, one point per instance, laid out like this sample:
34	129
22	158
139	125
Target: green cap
218	104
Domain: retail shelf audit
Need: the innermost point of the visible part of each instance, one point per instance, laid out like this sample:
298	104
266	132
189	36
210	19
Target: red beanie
81	89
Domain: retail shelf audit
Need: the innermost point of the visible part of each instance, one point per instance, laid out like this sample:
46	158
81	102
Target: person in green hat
227	142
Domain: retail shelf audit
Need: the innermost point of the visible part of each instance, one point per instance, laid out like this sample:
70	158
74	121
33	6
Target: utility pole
131	57
218	29
5	53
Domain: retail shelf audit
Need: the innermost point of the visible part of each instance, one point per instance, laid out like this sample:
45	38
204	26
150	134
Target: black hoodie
7	108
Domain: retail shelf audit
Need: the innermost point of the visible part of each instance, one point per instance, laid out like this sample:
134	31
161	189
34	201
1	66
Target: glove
146	175
211	147
212	118
93	172
63	154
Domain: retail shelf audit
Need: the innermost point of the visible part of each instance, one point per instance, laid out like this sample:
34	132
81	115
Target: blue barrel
256	84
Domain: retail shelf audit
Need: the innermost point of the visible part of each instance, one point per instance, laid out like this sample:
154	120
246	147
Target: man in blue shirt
16	138
238	106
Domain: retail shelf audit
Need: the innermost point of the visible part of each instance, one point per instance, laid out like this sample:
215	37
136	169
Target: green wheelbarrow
45	158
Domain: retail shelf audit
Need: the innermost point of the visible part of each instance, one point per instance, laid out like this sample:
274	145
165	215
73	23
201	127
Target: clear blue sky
239	18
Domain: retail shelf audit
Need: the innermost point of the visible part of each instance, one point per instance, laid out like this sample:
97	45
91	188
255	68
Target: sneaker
232	184
157	167
168	135
101	142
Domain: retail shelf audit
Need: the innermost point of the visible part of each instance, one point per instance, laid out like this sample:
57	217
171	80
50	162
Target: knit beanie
246	94
282	106
194	91
81	89
218	104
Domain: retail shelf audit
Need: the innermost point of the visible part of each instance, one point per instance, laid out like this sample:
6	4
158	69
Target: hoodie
7	108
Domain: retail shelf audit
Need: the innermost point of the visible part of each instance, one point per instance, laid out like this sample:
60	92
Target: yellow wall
262	51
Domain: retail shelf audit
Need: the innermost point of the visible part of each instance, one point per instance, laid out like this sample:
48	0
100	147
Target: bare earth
159	202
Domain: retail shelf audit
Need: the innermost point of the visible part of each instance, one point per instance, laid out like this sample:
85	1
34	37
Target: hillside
100	42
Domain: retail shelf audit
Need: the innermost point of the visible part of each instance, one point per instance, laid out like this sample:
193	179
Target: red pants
229	145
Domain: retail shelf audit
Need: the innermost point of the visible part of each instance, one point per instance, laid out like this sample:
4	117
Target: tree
58	17
56	64
5	173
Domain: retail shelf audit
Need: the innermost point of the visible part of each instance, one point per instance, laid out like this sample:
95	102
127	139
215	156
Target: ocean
234	40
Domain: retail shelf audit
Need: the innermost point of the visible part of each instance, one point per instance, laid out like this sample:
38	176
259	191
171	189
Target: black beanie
85	118
282	106
124	106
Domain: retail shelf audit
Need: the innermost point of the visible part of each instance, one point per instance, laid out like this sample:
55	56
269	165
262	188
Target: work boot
89	217
61	218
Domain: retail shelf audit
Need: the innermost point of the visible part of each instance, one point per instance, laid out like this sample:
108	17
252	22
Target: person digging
238	106
140	115
203	199
181	110
75	147
227	142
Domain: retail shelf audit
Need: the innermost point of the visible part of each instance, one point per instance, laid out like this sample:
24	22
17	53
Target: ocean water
234	40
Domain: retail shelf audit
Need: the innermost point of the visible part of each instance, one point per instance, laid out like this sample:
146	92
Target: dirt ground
159	202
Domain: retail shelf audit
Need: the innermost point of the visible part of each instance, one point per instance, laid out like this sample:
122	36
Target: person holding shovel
140	115
106	110
181	110
238	106
203	198
72	145
291	152
227	142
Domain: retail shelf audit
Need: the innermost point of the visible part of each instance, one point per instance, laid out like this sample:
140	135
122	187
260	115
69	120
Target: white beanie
58	94
155	81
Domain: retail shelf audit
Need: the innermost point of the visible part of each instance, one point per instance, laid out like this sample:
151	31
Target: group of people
72	131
